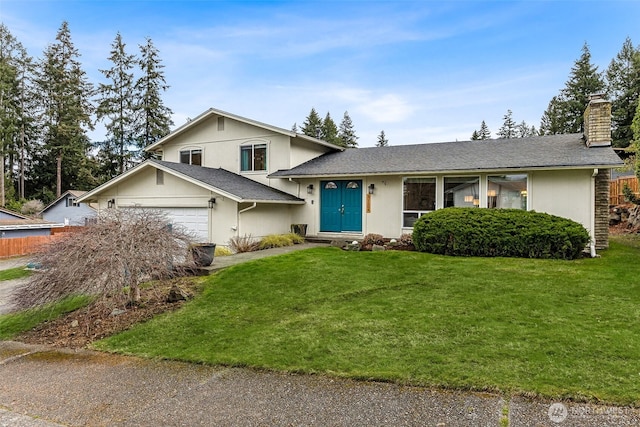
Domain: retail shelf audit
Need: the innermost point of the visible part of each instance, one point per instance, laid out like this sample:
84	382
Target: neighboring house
67	210
13	224
223	175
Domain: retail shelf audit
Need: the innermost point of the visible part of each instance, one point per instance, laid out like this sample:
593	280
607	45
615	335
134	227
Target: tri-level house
222	175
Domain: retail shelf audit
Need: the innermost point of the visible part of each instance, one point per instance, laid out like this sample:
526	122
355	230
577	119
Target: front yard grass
558	329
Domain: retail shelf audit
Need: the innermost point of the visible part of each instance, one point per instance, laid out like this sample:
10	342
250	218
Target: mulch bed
101	319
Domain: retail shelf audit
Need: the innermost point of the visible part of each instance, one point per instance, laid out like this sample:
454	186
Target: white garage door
194	220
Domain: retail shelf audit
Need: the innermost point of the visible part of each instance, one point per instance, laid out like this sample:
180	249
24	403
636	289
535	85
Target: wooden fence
616	195
17	246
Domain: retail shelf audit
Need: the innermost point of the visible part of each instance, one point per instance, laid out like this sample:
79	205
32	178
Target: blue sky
426	71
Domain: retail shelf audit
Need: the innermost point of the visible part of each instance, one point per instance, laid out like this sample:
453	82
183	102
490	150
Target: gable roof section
75	193
221	181
542	152
9	214
212	112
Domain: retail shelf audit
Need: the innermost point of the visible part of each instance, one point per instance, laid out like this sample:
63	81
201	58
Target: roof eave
447	171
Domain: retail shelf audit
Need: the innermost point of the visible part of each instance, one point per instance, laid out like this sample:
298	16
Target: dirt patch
104	318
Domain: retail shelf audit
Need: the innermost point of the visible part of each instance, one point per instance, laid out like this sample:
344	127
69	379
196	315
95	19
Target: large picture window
253	157
507	191
191	157
461	191
419	198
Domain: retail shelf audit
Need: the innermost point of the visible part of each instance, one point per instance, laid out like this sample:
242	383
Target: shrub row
499	232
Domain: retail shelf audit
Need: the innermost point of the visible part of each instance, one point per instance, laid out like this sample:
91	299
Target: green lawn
546	327
14	273
14	323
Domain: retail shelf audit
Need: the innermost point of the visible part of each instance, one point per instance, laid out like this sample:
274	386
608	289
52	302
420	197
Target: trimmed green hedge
499	232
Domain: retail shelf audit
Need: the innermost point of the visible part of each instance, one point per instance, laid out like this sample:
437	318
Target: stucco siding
565	193
142	190
264	220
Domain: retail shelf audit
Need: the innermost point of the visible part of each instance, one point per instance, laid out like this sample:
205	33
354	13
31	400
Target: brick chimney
597	121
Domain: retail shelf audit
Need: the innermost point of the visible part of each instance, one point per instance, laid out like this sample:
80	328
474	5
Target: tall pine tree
117	108
347	133
565	111
382	140
482	134
312	125
66	95
508	129
9	101
155	118
329	131
623	85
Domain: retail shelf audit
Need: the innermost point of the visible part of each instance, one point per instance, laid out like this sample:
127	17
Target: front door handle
341	209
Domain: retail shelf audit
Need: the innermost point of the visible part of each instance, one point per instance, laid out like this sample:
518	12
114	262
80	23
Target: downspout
243	211
593	212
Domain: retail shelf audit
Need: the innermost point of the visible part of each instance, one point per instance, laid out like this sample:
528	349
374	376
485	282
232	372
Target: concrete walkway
46	387
227	261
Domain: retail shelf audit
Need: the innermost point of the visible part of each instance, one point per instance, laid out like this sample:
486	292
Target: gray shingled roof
243	188
555	151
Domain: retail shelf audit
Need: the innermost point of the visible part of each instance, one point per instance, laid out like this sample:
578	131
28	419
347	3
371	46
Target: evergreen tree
117	108
9	101
508	129
329	131
66	119
555	117
294	128
347	133
155	121
583	81
484	132
623	78
17	112
523	130
312	125
382	140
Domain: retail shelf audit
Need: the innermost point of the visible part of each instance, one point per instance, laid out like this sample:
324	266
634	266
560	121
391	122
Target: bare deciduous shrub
111	258
240	244
32	207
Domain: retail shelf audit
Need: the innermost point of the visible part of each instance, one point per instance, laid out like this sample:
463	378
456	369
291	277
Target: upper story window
191	157
72	202
253	157
507	191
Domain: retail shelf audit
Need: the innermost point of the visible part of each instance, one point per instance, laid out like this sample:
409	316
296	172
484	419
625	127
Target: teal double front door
341	206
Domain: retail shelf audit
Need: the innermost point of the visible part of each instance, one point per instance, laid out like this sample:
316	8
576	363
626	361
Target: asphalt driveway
41	386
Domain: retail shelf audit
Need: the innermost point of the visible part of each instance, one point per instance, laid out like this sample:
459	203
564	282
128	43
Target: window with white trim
419	197
507	191
253	157
191	157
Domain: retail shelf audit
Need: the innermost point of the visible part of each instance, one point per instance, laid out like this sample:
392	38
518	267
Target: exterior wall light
111	203
310	189
371	188
212	202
